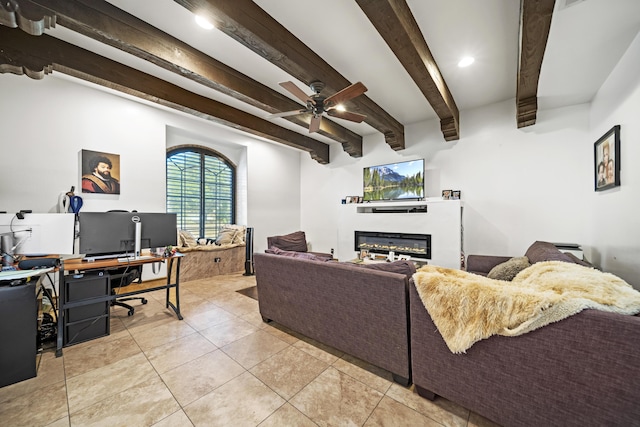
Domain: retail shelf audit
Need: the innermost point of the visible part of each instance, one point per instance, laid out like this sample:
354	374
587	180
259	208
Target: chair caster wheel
144	301
130	313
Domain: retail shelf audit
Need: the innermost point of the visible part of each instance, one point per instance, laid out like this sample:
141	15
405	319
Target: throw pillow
401	267
226	237
296	241
508	270
241	231
231	234
187	240
545	251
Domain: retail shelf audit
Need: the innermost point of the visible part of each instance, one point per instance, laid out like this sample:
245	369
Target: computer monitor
104	233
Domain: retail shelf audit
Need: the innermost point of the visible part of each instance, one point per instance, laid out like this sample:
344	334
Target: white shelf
402	206
403	203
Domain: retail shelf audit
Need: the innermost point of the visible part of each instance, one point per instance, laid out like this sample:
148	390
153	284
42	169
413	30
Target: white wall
518	185
44	124
616	224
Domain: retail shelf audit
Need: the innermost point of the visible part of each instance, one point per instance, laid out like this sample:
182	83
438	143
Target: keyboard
132	258
8	268
108	256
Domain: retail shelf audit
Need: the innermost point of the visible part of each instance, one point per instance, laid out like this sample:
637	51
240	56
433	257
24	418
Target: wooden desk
77	265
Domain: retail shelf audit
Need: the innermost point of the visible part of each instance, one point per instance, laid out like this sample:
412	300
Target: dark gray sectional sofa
360	311
581	371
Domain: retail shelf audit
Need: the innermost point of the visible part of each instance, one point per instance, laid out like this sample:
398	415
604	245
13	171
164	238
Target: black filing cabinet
87	300
18	332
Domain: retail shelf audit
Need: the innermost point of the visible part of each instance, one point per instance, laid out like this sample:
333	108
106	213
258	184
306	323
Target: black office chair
121	277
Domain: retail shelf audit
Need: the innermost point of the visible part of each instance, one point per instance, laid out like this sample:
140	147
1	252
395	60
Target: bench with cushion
200	254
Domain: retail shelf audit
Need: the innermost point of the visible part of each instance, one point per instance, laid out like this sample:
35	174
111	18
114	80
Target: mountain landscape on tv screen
394	181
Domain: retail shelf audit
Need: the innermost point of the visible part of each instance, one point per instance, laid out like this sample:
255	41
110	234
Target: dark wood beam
397	26
36	56
535	22
247	23
26	15
106	23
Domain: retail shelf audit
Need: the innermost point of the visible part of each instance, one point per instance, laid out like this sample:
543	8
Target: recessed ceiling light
204	23
466	61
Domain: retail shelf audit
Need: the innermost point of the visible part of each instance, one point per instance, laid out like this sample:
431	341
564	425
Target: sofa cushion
402	267
545	251
231	234
508	270
187	239
226	237
295	254
296	241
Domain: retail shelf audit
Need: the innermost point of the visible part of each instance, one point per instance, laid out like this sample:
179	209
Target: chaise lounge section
582	370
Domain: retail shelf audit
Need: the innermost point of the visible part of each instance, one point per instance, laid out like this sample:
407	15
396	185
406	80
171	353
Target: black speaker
30	264
248	263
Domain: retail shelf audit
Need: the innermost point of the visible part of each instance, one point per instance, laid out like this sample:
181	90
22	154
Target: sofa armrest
482	264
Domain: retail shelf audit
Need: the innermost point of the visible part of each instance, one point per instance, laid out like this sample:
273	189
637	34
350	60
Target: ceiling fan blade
285	114
314	126
346	94
354	117
297	92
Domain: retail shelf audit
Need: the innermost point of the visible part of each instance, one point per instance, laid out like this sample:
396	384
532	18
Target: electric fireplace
414	245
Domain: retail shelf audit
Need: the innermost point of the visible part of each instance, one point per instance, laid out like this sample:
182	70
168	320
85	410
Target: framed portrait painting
606	155
100	172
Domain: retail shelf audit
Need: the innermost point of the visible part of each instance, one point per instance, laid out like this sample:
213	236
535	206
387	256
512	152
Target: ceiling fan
318	104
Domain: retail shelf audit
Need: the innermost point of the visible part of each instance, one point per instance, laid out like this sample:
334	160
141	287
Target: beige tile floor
220	366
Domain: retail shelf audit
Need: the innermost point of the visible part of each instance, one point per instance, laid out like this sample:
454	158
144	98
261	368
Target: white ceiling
586	40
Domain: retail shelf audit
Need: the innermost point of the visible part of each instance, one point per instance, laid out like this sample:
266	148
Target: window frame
203	152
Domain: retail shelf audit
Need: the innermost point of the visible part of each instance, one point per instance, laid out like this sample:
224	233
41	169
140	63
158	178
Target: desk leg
175	307
60	316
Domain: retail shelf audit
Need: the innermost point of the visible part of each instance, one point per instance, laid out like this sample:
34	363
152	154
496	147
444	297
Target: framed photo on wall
606	155
100	172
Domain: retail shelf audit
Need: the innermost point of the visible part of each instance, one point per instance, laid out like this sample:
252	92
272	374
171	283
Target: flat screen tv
103	233
394	181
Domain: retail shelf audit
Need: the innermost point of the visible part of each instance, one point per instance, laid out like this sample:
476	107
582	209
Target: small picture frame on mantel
446	194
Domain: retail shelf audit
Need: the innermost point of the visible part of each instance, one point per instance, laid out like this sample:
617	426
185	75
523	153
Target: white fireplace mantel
442	220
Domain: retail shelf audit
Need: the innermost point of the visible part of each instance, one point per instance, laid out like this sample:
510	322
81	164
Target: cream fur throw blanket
467	308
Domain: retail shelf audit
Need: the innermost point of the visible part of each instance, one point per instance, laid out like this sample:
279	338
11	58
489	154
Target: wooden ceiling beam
36	56
535	22
251	26
26	15
397	26
106	23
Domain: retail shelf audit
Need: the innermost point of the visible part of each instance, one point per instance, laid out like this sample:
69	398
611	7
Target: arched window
201	190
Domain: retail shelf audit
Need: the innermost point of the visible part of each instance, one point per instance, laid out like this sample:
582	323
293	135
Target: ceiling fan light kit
317	105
